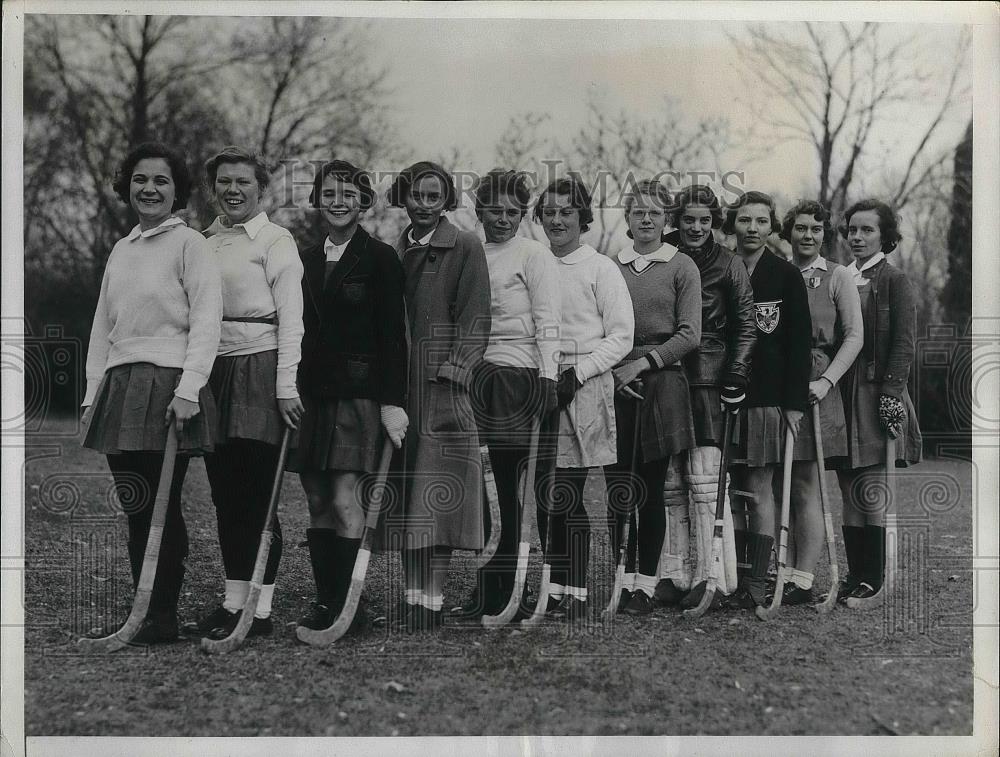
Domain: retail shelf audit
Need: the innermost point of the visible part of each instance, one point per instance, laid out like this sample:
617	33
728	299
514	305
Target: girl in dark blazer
352	378
876	400
778	392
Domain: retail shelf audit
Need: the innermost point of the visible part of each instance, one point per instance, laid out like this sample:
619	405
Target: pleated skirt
666	421
864	435
337	435
760	436
244	391
130	408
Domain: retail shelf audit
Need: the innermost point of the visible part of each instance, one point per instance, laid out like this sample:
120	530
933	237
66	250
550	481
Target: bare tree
834	85
616	151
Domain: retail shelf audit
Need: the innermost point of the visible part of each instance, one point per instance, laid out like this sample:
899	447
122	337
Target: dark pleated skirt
506	402
864	435
337	435
760	435
706	408
244	390
666	424
130	408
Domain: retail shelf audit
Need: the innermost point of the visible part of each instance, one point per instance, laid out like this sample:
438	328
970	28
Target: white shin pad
675	560
702	476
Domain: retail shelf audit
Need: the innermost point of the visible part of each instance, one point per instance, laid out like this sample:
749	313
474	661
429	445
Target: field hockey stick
766	613
831	545
239	632
340	626
527	514
543	587
616	588
889	579
717	531
144	590
493	500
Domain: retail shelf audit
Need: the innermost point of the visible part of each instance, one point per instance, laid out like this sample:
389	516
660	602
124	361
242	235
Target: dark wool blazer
355	324
782	355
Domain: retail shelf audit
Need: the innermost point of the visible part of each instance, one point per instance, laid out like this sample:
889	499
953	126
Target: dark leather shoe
693	597
794	595
667	594
157	629
571	609
640	604
319	617
421	619
219	617
623	599
258	627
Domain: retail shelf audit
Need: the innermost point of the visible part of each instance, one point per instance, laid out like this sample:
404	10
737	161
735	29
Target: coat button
432	257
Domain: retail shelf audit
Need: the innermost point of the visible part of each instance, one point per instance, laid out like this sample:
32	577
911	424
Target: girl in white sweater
596	333
153	340
253	379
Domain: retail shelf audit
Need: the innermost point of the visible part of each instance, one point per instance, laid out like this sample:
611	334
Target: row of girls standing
219	336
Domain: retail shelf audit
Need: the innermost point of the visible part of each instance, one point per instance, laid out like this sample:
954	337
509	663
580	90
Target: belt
271	319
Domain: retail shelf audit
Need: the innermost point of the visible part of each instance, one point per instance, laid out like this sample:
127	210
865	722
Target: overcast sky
457	82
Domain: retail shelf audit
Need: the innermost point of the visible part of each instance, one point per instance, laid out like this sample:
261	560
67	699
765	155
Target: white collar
664	254
166	225
818	264
410	241
251	227
855	272
578	255
334	252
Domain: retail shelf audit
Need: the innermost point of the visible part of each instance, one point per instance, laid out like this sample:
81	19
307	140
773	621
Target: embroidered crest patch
767	315
813	282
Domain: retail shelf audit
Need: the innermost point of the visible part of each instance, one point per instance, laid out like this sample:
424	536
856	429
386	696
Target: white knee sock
264	601
236	595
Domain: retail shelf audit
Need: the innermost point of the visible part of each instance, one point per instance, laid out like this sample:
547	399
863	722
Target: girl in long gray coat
447	293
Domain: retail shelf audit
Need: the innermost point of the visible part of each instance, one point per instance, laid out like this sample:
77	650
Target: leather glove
891	415
566	388
395	423
550	396
733	391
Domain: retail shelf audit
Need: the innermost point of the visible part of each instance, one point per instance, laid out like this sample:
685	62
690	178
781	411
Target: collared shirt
334	252
138	232
818	264
857	273
664	254
411	242
252	227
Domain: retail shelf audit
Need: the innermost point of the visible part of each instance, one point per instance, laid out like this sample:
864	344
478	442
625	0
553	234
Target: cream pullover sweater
597	317
524	306
160	303
261	276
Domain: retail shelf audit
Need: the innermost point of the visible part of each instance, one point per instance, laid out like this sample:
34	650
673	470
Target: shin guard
702	476
675	560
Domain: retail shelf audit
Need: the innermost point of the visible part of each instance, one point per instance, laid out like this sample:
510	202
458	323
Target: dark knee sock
854	546
323	547
652	516
874	556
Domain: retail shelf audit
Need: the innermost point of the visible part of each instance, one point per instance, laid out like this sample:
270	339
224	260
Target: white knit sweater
160	303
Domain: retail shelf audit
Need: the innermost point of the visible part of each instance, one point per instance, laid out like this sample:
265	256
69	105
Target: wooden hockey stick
712	583
543	587
144	590
527	516
239	632
493	500
616	588
889	578
766	613
340	626
831	544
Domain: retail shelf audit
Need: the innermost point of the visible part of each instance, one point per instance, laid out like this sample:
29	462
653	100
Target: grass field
903	669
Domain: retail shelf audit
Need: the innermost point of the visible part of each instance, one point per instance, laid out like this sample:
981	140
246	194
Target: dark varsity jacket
727	323
355	324
781	358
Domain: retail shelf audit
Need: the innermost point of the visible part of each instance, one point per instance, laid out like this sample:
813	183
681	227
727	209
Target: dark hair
499	182
888	222
806	208
697	194
652	189
400	188
178	172
751	198
349	174
578	195
233	154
